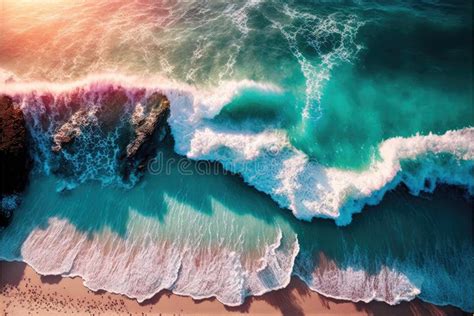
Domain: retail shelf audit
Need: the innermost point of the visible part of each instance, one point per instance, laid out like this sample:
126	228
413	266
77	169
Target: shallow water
319	109
214	227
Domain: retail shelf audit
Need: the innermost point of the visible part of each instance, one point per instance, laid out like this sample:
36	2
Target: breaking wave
263	156
191	253
81	130
105	126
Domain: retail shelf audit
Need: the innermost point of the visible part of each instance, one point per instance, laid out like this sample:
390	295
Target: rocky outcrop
149	123
136	124
145	125
14	158
70	130
107	112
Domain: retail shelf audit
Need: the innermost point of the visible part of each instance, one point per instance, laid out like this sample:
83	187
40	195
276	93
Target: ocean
328	140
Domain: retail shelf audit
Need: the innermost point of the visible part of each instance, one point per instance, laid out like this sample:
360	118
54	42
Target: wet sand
25	292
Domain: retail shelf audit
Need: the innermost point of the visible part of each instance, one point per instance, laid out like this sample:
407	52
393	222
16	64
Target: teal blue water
354	73
427	240
344	76
414	76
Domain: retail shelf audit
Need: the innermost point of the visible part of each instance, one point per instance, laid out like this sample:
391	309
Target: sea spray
265	157
326	108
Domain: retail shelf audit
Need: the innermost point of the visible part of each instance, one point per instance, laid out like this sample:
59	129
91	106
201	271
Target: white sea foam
319	31
394	281
140	266
387	284
239	16
142	262
267	160
307	188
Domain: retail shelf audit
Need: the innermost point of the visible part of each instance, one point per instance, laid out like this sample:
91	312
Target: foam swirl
264	157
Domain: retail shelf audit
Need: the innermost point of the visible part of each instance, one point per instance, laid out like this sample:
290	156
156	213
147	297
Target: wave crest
263	156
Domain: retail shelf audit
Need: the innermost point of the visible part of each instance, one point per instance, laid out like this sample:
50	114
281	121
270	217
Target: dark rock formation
107	113
70	130
14	159
146	127
138	126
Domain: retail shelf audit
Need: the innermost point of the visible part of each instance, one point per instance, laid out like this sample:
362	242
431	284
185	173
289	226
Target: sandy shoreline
24	292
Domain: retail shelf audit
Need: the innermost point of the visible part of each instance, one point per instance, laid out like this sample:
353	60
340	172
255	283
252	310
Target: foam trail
266	159
139	267
318	32
311	190
208	43
393	283
387	285
150	256
269	162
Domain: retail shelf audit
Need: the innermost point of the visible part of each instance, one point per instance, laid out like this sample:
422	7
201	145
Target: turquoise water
411	74
301	114
425	241
362	72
